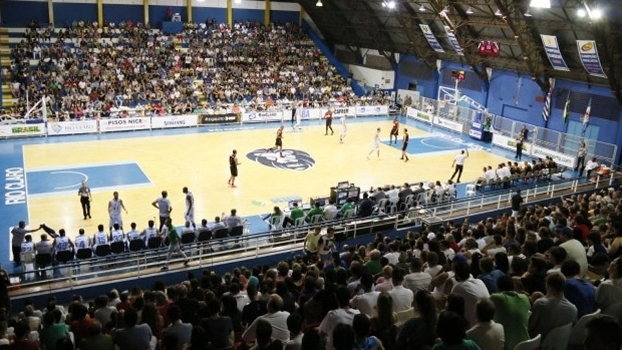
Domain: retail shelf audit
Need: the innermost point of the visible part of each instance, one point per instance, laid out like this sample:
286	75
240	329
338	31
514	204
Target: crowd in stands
87	71
488	285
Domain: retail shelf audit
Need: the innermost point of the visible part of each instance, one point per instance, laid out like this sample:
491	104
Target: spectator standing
19	233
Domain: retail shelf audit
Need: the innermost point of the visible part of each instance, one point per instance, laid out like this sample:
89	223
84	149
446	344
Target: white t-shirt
460	158
164	204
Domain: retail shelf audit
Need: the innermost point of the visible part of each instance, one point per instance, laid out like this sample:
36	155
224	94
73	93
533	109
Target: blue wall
66	13
516	96
118	13
200	14
284	16
16	13
248	15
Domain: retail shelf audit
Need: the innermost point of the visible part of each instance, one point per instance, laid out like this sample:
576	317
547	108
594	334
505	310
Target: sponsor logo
128	121
15	186
292	159
219	118
26	129
174	121
341	111
423	116
57	128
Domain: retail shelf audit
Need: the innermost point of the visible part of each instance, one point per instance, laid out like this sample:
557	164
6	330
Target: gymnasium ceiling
369	24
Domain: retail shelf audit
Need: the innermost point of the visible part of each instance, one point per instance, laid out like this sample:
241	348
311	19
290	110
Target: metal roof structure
513	24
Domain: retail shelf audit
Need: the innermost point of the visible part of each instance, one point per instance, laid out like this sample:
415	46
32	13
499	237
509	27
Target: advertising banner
429	36
257	116
174	121
219	118
419	115
371	110
559	158
453	41
124	124
551	47
509	143
22	130
72	127
589	58
477	127
312	113
448	124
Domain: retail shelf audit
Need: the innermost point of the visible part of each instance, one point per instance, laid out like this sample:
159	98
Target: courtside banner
429	36
124	124
419	115
219	118
72	127
262	116
589	58
453	41
22	130
509	143
338	111
559	158
174	121
448	124
312	113
551	47
371	110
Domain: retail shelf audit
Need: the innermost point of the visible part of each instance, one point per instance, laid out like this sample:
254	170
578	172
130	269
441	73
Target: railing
204	254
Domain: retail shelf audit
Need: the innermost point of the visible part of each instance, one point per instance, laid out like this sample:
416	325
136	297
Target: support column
230	13
51	11
301	15
189	10
266	13
100	13
146	12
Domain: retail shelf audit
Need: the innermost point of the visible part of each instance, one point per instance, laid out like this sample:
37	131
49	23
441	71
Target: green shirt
512	311
373	267
466	345
49	335
98	342
347	206
173	238
314	211
296	214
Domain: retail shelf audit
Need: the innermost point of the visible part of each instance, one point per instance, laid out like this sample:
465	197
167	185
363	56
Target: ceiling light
391	4
319	3
581	13
469	11
498	13
238	1
596	14
421	8
546	4
527	13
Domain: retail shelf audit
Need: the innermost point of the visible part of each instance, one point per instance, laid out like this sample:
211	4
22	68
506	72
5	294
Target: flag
586	116
566	108
546	112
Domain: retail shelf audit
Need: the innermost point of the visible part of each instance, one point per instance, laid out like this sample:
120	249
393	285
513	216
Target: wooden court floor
200	162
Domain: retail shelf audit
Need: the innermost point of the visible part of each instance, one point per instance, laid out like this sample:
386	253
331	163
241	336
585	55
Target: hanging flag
586	116
453	41
551	48
566	109
429	36
546	112
588	54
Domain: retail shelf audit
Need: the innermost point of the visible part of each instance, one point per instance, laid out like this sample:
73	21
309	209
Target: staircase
5	61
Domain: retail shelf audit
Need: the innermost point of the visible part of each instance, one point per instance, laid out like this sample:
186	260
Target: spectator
182	330
402	297
21	339
603	333
219	328
342	338
366	301
486	333
52	331
294	325
512	312
469	288
133	336
417	280
579	292
264	337
255	308
452	334
553	310
420	332
95	340
574	249
363	341
342	315
276	317
609	292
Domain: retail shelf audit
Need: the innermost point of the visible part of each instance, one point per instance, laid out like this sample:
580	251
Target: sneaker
186	262
164	268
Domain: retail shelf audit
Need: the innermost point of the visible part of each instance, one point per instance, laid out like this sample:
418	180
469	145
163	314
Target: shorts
278	143
375	145
404	146
116	219
189	216
233	170
394	132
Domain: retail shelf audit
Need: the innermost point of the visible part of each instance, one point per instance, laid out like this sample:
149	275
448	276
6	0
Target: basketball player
329	121
233	168
150	231
278	144
117	235
163	204
298	117
375	144
405	139
344	128
294	105
114	210
85	199
394	130
62	242
189	215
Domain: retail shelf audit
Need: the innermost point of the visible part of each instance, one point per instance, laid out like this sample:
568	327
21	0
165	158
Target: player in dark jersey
394	131
278	144
329	121
233	167
405	139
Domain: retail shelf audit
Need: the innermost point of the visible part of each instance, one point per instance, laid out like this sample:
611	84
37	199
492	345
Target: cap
459	257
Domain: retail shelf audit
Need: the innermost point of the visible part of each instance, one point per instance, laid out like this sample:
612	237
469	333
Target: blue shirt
581	294
490	280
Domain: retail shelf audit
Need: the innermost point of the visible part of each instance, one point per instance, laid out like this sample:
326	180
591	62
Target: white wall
385	79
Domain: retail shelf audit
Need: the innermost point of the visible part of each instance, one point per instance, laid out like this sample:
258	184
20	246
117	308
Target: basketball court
139	165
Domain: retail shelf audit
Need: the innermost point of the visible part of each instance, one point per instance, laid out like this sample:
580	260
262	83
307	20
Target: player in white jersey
189	213
114	210
117	235
27	245
298	116
375	146
62	242
344	128
163	204
150	231
100	237
82	241
133	233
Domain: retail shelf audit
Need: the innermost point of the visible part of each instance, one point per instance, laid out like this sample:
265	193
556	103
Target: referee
85	199
458	163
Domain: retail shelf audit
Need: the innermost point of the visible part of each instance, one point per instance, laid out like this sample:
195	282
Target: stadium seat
84	253
137	245
102	250
221	233
205	235
531	344
237	231
117	247
188	237
154	242
64	256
